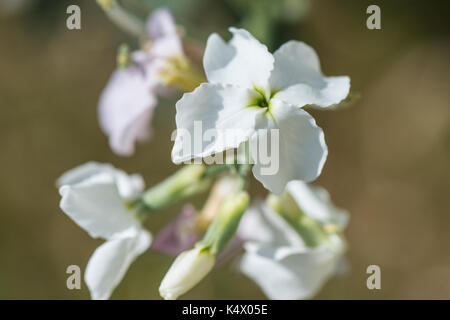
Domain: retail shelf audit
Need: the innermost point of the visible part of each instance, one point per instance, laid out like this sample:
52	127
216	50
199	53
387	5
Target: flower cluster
291	242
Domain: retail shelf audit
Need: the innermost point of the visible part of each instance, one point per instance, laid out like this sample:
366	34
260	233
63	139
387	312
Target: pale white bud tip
186	271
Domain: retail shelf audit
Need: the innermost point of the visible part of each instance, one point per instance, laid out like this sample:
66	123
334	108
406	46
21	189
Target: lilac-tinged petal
125	109
161	24
179	235
162	32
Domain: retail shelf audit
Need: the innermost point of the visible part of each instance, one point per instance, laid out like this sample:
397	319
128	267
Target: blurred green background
388	158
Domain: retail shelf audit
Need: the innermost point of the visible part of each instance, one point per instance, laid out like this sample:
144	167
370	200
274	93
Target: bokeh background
389	153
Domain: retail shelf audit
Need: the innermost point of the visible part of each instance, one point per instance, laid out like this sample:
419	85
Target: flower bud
184	183
187	270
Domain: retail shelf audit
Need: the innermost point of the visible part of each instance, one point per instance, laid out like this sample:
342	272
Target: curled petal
161	24
109	262
93	201
244	61
299	81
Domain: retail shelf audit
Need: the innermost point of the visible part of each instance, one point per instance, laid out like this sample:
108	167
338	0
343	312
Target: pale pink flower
126	104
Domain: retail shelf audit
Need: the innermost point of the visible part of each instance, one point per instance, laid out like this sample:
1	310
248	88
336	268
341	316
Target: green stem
215	170
122	18
186	182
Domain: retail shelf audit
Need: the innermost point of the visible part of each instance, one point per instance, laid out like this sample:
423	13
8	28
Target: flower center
261	99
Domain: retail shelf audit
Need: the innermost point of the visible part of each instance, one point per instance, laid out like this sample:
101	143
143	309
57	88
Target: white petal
290	272
301	147
299	80
261	224
109	263
129	186
332	91
315	202
125	109
83	172
244	61
219	112
95	204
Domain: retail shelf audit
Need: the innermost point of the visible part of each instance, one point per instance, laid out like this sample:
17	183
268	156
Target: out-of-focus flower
126	108
96	197
184	231
278	254
250	89
127	102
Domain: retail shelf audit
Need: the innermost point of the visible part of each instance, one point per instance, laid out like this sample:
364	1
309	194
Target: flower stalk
122	18
186	182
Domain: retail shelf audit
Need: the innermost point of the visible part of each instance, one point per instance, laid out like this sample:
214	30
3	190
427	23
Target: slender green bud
184	183
226	222
122	18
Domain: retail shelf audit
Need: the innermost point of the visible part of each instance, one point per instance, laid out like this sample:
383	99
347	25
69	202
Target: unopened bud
188	269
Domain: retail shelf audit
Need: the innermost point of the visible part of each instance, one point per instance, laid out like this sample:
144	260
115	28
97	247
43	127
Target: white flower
251	89
94	196
186	271
276	257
